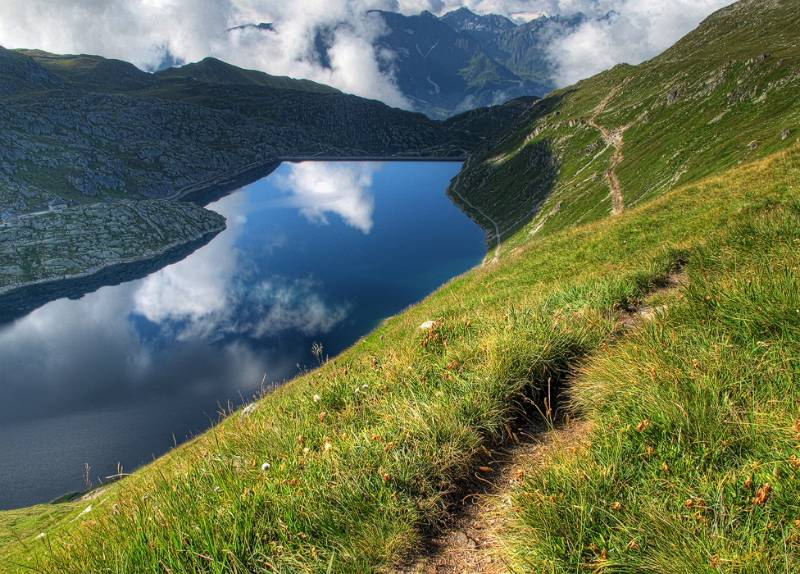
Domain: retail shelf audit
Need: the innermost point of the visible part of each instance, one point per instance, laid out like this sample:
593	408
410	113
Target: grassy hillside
362	452
724	95
213	71
106	74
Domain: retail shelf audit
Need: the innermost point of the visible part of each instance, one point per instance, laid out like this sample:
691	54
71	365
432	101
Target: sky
145	31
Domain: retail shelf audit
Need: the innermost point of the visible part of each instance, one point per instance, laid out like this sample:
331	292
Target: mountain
633	133
483	28
213	71
84	130
20	74
442	70
524	49
460	61
90	71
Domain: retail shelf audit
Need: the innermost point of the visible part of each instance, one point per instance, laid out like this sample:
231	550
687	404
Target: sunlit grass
693	464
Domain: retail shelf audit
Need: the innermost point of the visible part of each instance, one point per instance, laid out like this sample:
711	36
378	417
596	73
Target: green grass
407	413
693	415
20	530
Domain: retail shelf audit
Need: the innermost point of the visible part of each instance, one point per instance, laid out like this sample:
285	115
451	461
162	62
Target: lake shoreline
19	300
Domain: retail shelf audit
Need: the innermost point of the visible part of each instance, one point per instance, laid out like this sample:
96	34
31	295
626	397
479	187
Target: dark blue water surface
316	252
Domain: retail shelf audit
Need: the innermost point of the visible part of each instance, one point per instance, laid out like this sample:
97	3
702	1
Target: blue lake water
318	252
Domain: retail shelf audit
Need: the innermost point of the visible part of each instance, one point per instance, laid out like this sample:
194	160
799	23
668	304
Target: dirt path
471	543
616	139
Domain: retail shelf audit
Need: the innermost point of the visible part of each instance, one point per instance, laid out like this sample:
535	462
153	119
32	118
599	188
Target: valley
616	383
80	131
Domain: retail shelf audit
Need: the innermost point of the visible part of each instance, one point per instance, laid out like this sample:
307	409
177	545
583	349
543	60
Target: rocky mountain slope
460	61
523	48
444	70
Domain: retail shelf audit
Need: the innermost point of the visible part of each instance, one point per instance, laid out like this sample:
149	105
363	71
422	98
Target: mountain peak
465	20
463	11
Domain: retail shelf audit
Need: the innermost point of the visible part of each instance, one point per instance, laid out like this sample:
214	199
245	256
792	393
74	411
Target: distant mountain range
462	60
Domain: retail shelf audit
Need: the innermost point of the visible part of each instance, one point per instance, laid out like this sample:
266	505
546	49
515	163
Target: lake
317	252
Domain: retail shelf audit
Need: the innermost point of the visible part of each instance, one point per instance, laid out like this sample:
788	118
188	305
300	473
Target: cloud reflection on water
217	293
319	188
184	329
110	377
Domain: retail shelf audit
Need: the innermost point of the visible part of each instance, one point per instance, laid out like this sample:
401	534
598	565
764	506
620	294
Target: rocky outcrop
84	240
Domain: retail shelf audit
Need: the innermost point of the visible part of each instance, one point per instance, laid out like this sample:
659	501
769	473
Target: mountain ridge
710	102
451	63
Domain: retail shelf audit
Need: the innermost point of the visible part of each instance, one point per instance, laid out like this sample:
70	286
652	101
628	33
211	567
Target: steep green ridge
725	94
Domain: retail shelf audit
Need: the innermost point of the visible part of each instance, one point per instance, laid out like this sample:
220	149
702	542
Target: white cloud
638	30
208	296
319	188
144	31
197	287
294	305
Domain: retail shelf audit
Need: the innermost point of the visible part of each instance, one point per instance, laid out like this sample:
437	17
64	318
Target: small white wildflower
266	466
317	398
41	535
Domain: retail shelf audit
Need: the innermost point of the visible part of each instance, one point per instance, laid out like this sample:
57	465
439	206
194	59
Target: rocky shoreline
80	249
